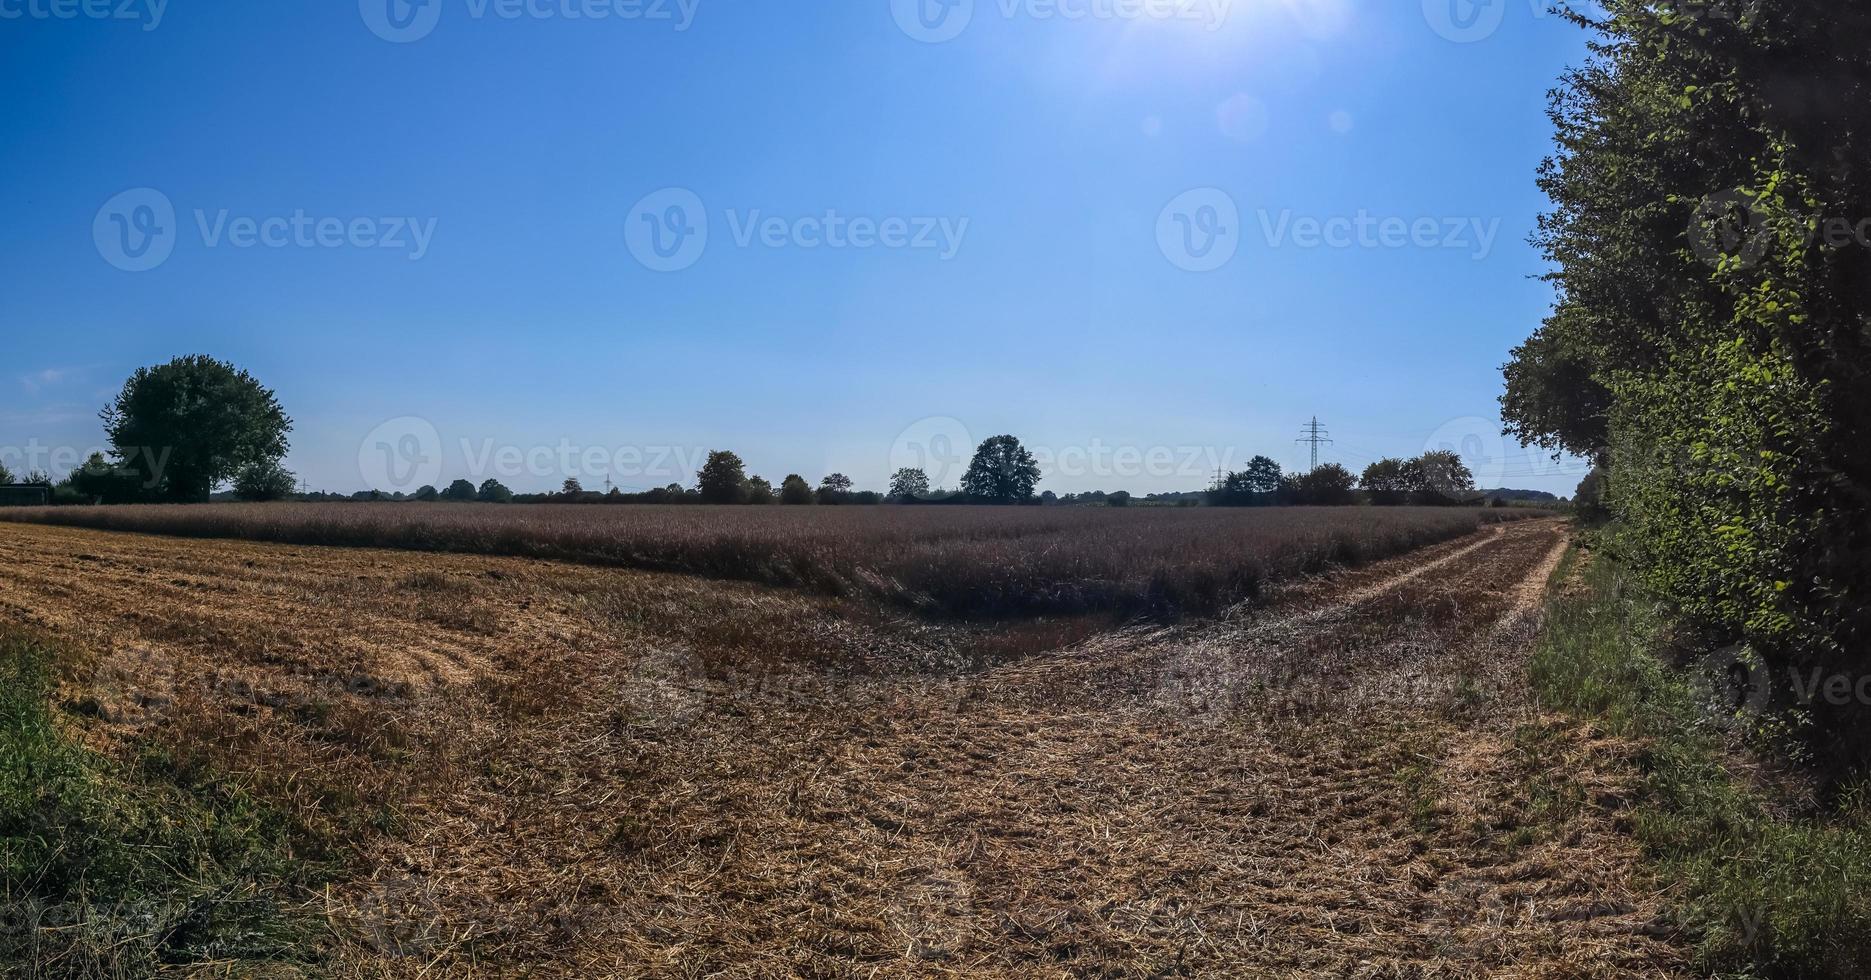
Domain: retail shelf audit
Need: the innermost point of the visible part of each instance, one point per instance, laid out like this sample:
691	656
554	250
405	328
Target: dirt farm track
545	769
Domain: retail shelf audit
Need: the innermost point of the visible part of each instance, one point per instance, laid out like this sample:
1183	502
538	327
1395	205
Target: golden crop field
489	765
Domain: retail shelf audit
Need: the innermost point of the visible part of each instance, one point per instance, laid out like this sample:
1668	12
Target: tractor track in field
1327	784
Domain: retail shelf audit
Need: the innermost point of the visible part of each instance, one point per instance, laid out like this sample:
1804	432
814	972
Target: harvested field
959	561
545	769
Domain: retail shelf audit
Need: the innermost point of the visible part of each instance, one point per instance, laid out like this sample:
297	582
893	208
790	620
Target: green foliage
834	489
264	481
1254	486
189	426
1001	472
1439	477
111	871
1388	482
460	491
100	481
909	483
759	491
795	490
493	492
722	479
1713	317
1329	485
1768	889
427	494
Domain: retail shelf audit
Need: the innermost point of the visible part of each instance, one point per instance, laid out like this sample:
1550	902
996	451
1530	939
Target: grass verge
1767	888
125	870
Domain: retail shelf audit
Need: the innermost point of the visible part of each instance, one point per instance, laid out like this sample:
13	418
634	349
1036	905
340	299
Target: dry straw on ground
537	769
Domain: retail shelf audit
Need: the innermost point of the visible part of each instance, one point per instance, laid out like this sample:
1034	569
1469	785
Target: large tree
1388	482
909	483
722	479
1002	472
795	490
834	489
187	427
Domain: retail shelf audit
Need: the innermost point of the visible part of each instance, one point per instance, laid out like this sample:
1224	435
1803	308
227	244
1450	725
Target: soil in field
538	769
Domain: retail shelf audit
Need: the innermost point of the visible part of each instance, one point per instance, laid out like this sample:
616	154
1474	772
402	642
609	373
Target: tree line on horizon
181	430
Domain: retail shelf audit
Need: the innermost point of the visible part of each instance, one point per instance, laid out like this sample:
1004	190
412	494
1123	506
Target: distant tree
494	492
1329	485
1263	475
1440	477
1589	498
427	494
909	483
834	489
1257	485
1002	472
795	490
264	481
6	475
1120	498
98	481
615	495
1049	498
460	491
1389	481
723	479
188	426
571	488
759	491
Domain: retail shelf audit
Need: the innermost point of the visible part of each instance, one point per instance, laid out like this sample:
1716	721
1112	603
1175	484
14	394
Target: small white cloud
1341	121
42	379
1242	118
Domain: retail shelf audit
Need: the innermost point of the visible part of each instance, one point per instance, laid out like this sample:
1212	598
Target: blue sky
1148	237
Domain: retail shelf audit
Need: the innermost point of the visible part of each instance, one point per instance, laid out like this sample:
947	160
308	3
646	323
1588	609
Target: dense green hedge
1710	342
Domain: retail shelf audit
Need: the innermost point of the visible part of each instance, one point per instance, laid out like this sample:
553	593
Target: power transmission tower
1316	436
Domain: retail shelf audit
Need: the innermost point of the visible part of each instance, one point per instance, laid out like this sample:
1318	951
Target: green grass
1767	890
114	870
